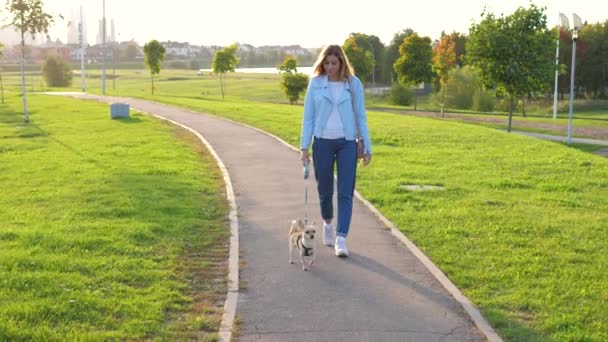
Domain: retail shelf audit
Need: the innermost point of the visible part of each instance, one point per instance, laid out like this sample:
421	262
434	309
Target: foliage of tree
459	41
444	59
27	16
225	60
130	52
362	60
57	72
391	55
1	83
154	55
512	53
293	82
376	48
592	60
414	65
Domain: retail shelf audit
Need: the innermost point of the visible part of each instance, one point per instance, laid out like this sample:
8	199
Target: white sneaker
328	234
340	247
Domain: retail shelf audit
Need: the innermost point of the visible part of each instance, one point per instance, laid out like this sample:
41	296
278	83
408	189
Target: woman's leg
324	158
346	157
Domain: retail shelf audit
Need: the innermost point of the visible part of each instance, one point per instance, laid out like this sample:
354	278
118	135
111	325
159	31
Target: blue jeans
326	153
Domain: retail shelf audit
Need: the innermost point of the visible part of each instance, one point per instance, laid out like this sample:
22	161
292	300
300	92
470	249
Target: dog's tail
296	223
301	224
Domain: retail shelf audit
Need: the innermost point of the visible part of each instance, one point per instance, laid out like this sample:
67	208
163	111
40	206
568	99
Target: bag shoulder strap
352	100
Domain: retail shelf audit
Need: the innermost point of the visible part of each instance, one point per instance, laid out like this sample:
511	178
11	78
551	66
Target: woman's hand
304	156
367	158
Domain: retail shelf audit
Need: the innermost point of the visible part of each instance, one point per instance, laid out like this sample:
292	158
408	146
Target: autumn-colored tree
414	65
224	60
444	59
154	56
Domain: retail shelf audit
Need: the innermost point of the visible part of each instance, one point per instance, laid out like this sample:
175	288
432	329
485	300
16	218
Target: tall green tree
414	65
154	55
444	59
27	16
372	44
224	60
293	82
362	60
513	53
391	54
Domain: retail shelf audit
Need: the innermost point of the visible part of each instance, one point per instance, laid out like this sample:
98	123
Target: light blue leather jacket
318	105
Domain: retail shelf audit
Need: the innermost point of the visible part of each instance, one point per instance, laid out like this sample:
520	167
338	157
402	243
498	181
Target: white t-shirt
334	128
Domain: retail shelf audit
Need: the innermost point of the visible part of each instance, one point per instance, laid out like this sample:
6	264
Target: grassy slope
111	228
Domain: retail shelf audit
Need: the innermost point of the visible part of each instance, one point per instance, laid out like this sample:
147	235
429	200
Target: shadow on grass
130	120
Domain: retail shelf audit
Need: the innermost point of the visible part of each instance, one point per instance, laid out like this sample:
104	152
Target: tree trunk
442	99
26	115
222	84
523	106
152	79
510	113
1	88
415	99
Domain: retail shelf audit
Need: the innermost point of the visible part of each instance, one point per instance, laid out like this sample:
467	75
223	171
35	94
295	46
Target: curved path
382	292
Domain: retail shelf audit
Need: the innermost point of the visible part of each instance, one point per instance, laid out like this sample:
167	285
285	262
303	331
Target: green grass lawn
111	229
521	227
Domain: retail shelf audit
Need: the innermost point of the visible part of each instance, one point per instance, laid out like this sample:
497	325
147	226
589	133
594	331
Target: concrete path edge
228	317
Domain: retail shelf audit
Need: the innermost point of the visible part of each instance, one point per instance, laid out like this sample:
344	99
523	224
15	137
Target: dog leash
306	173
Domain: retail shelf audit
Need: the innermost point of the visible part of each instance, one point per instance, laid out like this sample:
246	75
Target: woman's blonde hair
346	70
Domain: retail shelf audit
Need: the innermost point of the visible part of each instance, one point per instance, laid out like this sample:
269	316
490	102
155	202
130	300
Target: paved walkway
382	292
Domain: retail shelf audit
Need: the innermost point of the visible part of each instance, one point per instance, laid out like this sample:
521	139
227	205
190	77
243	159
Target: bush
461	87
178	64
401	95
294	85
484	100
57	72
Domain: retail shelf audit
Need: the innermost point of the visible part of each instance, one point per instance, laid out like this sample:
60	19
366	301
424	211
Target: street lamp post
103	44
576	25
562	22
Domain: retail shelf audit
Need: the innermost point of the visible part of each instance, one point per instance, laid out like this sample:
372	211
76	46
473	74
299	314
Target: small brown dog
303	237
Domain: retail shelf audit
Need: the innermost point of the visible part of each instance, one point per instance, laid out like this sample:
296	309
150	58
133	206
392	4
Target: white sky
311	23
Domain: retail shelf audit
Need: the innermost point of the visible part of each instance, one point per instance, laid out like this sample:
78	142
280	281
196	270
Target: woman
330	118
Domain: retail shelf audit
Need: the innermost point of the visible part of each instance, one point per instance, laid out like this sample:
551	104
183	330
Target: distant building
176	49
111	37
77	27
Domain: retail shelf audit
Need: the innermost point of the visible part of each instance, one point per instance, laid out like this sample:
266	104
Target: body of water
304	70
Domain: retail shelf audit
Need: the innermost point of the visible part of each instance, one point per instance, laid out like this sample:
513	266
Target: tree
592	48
414	64
361	59
392	54
224	60
154	56
57	72
513	53
131	51
376	48
444	59
293	82
1	84
27	16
